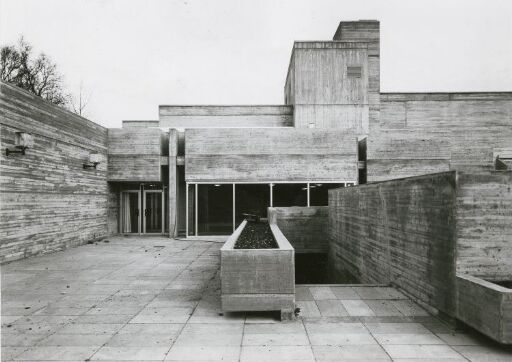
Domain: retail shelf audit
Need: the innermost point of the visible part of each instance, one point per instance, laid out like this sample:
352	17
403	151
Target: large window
290	195
215	209
319	193
211	209
251	199
191	209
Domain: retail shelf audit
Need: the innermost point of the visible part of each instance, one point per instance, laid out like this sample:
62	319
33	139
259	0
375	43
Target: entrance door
153	221
130	212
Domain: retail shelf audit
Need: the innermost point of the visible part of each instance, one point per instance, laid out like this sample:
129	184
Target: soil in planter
256	235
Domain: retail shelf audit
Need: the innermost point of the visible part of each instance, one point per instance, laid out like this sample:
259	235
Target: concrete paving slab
322	293
308	309
207	353
130	353
439	352
407	338
492	352
402	328
331	308
124	303
347	293
54	353
357	308
351	352
276	353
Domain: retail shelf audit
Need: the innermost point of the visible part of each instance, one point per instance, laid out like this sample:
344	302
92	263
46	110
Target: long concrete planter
258	279
486	307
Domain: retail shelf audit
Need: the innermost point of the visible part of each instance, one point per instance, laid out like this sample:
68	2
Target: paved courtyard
155	299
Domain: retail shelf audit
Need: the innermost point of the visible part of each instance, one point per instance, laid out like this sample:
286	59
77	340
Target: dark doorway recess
311	268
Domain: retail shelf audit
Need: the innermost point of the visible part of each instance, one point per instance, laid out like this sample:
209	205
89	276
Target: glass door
153	221
130	212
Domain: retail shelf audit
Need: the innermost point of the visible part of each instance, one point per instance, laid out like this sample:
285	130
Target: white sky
133	55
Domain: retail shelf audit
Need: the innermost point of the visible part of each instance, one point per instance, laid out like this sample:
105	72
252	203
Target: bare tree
39	76
79	103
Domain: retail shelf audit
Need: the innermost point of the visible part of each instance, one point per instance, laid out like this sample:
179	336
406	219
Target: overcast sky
133	55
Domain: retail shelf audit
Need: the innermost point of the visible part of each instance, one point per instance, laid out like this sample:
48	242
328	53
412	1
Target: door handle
147	212
136	212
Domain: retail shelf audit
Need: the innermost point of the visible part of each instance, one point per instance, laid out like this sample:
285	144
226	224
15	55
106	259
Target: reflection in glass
130	212
319	193
289	195
251	199
191	209
153	212
215	209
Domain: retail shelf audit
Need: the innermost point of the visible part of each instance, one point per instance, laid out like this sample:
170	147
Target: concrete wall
484	225
422	133
368	32
319	86
173	182
48	200
306	228
418	233
270	154
400	232
134	154
320	90
485	306
225	116
140	124
113	204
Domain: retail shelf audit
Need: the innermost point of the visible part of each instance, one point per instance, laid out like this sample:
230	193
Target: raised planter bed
485	306
261	278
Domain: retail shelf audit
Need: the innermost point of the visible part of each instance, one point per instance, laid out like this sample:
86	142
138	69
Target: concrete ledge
257	279
306	228
485	306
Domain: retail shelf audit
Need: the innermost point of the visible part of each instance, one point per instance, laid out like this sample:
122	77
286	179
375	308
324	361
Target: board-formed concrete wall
419	232
400	232
134	154
484	225
270	154
225	116
48	200
320	90
306	228
422	133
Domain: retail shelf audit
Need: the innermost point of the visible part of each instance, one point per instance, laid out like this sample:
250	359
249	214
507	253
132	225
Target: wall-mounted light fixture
22	141
94	160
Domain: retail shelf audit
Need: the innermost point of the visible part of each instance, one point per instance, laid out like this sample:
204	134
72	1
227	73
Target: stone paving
155	299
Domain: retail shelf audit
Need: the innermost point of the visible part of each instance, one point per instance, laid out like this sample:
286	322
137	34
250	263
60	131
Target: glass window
191	209
215	209
289	195
319	193
251	199
130	212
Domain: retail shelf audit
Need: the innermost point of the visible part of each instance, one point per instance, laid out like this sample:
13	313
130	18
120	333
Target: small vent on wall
354	71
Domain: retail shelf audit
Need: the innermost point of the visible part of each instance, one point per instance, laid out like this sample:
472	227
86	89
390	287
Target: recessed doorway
130	212
153	212
142	212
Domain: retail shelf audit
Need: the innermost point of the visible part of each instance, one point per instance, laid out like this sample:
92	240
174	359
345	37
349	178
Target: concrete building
198	169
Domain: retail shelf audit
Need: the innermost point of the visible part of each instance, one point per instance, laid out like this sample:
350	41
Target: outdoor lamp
22	141
94	159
